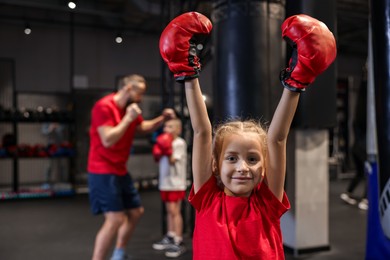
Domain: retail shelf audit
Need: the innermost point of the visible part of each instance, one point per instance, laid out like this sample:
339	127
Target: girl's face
241	164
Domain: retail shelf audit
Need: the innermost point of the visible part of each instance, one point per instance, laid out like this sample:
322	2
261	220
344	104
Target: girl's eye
231	158
253	160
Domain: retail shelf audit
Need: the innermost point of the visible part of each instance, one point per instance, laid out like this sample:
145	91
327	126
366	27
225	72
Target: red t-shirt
111	160
233	228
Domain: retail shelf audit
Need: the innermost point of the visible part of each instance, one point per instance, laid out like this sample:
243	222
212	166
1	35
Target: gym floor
64	229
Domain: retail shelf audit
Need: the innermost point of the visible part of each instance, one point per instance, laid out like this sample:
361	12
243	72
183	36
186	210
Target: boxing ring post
378	138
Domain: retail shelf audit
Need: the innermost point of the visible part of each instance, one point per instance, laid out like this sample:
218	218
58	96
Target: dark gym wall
42	59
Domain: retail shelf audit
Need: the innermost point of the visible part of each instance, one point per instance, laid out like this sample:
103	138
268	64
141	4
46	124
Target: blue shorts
110	193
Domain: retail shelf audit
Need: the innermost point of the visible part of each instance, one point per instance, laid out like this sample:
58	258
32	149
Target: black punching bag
248	58
380	16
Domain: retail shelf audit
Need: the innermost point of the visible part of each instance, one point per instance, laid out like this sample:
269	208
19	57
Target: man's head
133	87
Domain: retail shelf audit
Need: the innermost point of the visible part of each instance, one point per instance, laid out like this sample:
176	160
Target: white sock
171	234
177	240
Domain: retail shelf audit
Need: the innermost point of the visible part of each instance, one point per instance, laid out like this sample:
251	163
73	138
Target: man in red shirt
115	119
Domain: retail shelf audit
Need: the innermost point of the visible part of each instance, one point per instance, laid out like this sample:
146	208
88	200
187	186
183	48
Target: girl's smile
241	164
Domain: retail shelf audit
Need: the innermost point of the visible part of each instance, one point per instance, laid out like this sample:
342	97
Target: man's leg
106	234
127	227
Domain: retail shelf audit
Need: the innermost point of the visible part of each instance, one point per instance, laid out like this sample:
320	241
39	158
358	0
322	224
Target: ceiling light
72	4
27	29
118	38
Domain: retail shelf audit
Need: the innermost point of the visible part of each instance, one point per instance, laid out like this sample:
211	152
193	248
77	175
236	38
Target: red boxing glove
164	141
163	146
314	49
178	44
157	154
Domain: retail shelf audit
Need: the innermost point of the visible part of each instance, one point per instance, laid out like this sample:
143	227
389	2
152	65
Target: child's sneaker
164	243
363	204
348	199
175	250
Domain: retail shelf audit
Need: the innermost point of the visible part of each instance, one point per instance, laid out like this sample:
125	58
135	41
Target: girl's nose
242	166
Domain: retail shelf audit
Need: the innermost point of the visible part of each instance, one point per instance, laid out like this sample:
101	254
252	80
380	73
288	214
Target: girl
238	188
238	210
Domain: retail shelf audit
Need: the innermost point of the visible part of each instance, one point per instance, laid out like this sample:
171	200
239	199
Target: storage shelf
37	154
36	193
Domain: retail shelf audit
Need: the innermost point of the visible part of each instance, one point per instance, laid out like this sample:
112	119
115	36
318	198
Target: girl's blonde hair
238	127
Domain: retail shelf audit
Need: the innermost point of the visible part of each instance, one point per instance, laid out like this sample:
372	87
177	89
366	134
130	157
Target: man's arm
109	135
149	126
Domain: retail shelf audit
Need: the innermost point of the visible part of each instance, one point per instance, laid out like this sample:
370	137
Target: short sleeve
275	207
205	194
179	150
102	115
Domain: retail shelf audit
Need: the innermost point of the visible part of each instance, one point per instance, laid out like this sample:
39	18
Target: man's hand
132	112
168	113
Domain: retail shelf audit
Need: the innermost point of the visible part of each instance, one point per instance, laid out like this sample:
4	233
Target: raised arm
178	49
202	151
314	49
277	141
